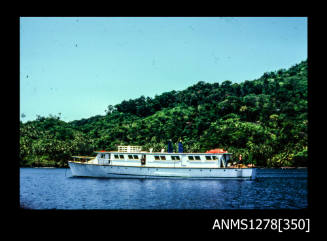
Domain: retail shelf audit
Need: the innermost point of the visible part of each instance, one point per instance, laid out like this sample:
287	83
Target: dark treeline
265	120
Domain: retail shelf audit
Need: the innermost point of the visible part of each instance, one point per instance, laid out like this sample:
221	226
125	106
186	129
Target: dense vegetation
265	120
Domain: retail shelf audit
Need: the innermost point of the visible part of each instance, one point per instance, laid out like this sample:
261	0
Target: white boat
131	162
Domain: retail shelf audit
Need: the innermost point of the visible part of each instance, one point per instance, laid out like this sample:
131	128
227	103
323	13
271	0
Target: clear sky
77	66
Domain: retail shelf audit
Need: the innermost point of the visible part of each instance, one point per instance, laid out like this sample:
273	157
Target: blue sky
77	66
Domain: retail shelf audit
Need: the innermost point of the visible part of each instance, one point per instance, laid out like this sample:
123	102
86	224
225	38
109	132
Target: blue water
54	188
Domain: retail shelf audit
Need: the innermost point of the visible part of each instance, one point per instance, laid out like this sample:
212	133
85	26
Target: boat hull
111	171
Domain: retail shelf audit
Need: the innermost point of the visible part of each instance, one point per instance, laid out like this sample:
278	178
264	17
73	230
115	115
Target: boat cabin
133	156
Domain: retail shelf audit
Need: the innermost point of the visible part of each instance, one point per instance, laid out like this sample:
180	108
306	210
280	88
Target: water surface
55	188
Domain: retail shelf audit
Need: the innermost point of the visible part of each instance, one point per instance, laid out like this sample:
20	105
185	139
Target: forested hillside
265	120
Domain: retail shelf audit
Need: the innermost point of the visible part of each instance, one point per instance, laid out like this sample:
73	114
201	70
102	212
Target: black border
141	223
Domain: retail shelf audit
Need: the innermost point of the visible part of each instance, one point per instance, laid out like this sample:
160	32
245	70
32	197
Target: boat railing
82	158
129	148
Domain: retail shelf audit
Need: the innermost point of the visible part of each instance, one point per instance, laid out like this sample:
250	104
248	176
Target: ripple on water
50	189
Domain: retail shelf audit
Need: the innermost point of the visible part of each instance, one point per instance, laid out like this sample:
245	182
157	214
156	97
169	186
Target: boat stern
254	173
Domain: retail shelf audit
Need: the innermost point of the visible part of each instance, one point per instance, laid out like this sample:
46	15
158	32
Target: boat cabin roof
160	153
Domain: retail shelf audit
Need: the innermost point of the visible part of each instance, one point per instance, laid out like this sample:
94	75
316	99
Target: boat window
136	156
175	158
162	157
156	157
208	157
121	156
130	156
116	156
197	158
190	157
214	158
